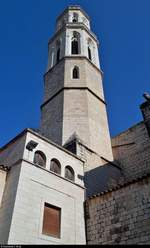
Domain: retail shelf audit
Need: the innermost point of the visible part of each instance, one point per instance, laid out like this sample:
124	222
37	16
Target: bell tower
73	91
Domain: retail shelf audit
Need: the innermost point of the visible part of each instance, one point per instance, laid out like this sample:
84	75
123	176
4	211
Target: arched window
40	158
57	51
55	166
75	72
69	173
75	44
52	58
75	17
90	49
89	53
58	55
75	47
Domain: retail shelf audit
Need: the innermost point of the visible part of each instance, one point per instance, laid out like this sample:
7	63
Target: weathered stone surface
125	220
131	150
76	105
29	186
3	175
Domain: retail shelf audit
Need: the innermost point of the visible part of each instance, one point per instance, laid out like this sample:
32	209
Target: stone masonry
120	216
100	185
28	186
131	148
75	104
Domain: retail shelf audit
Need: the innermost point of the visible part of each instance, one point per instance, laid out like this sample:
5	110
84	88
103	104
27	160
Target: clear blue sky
123	28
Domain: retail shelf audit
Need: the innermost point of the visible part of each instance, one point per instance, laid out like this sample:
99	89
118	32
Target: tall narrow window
69	173
75	72
75	49
75	43
58	55
40	158
75	17
90	47
51	220
58	45
55	166
89	53
52	59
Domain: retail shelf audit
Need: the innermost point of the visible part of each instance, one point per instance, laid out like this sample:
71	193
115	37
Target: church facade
68	182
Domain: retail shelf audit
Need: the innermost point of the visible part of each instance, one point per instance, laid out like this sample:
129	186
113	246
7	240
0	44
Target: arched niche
55	166
75	72
69	173
39	158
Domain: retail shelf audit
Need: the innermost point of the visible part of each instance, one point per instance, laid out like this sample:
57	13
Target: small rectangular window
51	220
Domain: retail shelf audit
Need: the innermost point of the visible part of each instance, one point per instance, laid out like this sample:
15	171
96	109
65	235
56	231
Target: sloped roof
120	185
101	179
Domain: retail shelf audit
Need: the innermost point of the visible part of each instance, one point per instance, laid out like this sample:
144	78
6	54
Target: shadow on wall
101	178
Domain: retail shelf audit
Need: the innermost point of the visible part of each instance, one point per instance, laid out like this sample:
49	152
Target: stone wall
131	150
89	75
53	151
37	186
53	81
121	216
13	151
3	174
52	119
145	109
7	203
76	105
29	186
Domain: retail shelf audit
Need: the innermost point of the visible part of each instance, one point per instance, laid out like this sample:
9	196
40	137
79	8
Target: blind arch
55	166
75	72
69	173
39	158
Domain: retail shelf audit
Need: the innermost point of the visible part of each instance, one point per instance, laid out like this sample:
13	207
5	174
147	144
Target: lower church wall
121	216
35	188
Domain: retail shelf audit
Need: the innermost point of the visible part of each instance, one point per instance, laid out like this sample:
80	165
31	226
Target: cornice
70	25
72	88
73	7
39	135
77	56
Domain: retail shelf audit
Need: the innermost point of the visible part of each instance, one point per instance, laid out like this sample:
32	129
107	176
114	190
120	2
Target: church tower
73	92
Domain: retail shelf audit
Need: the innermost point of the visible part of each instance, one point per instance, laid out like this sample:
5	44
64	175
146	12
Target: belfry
73	92
61	183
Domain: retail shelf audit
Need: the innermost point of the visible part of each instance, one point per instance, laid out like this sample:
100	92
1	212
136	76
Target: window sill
50	238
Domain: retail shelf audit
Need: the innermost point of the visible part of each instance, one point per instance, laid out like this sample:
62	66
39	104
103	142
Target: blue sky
122	26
